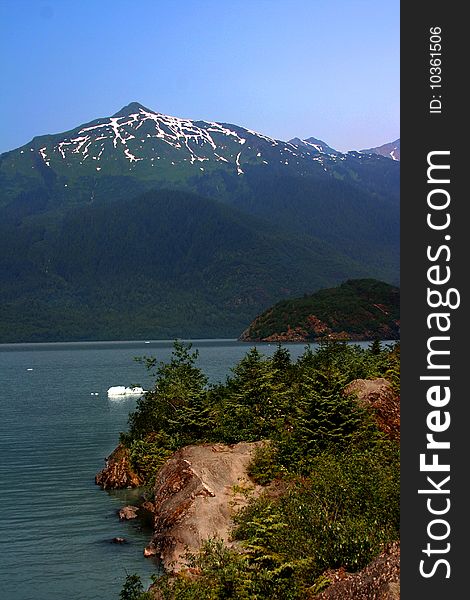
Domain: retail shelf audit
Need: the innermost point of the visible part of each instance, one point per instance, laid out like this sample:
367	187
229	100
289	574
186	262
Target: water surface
56	523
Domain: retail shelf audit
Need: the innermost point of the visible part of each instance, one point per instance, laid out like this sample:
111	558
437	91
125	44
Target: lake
57	525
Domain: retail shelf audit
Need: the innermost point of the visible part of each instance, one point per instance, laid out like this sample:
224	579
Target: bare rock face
378	395
380	580
118	472
197	491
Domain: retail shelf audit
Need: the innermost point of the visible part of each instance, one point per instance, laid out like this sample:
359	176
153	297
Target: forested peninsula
281	482
359	309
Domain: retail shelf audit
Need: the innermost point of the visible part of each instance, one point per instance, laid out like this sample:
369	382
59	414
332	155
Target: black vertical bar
434	120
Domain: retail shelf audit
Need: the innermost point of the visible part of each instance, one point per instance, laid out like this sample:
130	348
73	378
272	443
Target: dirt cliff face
118	472
196	493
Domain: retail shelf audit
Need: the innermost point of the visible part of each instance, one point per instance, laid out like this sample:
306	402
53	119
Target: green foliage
320	418
281	360
299	406
224	573
256	400
348	361
391	367
144	267
360	307
324	421
265	464
171	415
340	515
133	589
174	409
335	497
148	455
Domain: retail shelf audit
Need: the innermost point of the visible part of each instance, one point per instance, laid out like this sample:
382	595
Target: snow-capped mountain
154	149
140	140
186	228
138	134
390	150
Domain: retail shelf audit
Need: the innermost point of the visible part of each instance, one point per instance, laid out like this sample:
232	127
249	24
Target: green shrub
265	466
148	455
340	515
133	589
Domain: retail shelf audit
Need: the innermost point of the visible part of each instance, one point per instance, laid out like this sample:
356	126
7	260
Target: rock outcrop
118	472
380	580
378	395
196	493
128	513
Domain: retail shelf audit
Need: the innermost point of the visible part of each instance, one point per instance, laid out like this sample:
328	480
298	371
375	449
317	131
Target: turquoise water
56	524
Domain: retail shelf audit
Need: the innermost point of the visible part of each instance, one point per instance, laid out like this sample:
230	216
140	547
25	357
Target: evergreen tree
175	407
257	399
132	588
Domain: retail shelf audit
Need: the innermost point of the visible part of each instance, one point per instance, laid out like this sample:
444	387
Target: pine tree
257	399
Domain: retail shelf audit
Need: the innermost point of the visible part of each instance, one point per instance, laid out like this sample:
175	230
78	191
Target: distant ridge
390	150
314	144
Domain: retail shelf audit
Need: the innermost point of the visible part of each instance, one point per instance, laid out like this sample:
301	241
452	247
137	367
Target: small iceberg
121	390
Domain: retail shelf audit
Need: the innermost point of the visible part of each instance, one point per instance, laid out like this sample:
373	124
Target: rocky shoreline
196	493
199	488
299	335
118	473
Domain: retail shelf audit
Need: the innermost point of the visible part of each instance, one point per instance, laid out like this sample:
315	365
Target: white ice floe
118	391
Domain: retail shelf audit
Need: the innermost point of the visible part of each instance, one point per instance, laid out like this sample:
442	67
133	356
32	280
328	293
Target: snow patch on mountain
42	152
239	169
140	137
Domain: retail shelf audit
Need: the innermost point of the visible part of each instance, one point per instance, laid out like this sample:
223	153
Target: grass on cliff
339	475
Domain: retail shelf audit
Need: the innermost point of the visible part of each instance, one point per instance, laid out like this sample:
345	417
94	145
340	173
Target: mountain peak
131	108
390	150
314	144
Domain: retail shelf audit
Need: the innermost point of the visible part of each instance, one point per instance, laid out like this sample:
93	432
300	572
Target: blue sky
286	68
